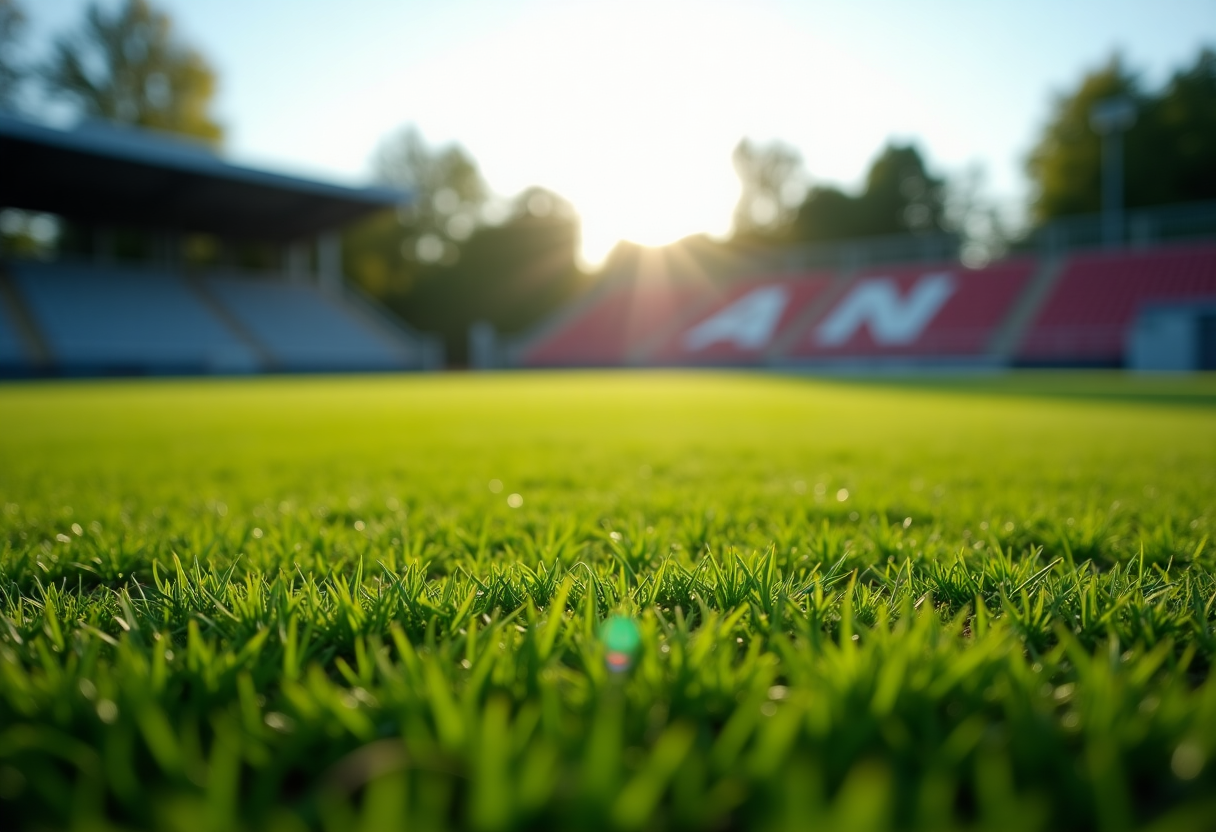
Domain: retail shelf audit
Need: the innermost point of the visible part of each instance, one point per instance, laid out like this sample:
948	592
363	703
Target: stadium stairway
1087	317
22	349
301	328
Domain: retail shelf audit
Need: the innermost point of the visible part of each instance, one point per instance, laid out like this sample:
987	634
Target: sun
630	110
651	208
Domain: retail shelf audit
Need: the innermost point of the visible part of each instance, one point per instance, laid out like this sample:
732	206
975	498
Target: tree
773	184
1180	136
900	197
12	73
510	275
127	67
1167	152
1065	166
388	253
456	255
448	194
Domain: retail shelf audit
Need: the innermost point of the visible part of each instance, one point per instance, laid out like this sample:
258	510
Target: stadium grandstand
1064	298
91	312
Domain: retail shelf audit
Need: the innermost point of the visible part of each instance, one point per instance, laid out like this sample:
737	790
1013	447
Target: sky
631	109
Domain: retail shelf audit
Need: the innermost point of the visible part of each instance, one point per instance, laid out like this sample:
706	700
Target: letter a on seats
748	322
893	320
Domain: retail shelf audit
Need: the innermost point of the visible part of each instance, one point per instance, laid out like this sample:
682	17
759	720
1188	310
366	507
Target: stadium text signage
748	322
892	320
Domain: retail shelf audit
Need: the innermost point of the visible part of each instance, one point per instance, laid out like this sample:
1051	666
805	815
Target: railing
850	255
1144	227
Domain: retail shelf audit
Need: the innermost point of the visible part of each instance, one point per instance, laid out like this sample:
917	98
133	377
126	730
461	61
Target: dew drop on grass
515	500
257	533
1187	761
107	711
360	525
842	495
495	486
279	722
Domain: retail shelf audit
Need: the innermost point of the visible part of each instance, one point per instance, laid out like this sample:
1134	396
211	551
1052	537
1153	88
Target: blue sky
631	109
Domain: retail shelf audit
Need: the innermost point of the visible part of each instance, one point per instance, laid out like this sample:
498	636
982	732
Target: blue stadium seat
304	329
106	319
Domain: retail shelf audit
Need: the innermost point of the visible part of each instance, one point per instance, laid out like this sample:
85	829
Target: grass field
377	603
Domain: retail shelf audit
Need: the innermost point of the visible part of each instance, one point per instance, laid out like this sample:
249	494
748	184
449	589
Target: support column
168	250
483	346
329	262
295	257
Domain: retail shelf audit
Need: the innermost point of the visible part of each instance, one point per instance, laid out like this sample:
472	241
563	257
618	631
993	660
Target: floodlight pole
1112	187
1110	119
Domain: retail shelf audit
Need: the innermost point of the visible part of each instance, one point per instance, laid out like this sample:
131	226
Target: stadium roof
106	174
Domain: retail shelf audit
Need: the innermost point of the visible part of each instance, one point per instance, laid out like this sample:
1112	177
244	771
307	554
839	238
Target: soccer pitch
377	603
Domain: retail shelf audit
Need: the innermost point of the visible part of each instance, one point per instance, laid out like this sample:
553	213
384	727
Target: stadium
356	507
1072	299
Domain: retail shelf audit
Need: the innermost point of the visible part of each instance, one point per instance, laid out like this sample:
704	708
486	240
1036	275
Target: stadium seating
1087	317
131	320
113	319
742	322
934	313
612	324
923	311
303	329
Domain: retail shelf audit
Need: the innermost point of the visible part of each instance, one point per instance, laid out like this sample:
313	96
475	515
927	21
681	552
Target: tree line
459	254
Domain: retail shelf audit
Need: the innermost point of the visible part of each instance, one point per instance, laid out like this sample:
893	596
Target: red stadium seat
916	311
1088	314
612	326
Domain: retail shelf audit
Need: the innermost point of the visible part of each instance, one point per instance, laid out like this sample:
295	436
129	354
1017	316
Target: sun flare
631	110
